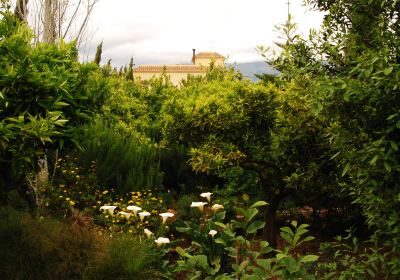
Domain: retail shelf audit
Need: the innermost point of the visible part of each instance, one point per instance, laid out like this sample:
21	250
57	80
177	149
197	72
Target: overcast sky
166	31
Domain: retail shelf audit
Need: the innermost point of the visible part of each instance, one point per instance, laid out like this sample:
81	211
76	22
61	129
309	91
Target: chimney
194	57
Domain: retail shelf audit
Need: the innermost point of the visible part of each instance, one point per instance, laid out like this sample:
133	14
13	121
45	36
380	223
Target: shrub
124	163
127	258
34	248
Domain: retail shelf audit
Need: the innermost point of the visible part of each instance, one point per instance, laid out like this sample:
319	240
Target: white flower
109	208
217	207
148	233
199	205
212	233
162	240
126	214
143	214
134	209
165	216
206	195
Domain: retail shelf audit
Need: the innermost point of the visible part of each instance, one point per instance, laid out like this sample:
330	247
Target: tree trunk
49	24
270	230
21	9
272	185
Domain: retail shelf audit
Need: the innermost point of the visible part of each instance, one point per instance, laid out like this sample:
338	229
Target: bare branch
72	19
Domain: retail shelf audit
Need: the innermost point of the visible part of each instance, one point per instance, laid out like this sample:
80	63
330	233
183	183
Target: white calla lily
134	209
148	233
199	205
206	195
216	207
125	214
162	240
212	233
143	214
109	208
165	216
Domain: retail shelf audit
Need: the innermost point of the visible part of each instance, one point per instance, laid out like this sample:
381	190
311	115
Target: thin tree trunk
270	231
21	9
49	25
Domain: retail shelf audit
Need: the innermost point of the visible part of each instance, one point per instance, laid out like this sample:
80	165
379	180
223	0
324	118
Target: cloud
157	31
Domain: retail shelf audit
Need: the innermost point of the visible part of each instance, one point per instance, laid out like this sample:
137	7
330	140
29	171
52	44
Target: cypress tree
99	50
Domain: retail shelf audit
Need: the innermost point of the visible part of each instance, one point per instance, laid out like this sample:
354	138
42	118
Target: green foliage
44	249
128	258
231	252
123	163
349	74
348	258
99	50
184	210
267	129
44	93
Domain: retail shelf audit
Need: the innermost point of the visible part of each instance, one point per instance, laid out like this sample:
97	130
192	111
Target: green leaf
291	264
388	70
288	230
394	146
61	104
254	226
280	256
182	252
240	211
264	263
250	214
259	204
387	166
309	258
221	225
220	241
60	122
308	238
219	216
346	169
201	260
374	159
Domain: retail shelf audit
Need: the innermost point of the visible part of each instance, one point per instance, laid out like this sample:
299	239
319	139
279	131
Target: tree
21	9
99	50
350	72
229	123
44	94
52	20
129	72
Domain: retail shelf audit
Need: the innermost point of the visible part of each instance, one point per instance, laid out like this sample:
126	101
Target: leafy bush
349	258
45	93
128	258
123	163
221	250
34	248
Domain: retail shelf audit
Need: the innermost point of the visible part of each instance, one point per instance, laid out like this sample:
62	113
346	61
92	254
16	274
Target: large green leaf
254	226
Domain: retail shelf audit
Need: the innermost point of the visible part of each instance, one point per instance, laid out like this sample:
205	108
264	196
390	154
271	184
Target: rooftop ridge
171	68
209	55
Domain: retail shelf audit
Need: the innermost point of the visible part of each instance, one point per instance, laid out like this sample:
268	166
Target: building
179	72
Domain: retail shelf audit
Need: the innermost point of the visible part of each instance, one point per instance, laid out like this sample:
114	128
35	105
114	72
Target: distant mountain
248	69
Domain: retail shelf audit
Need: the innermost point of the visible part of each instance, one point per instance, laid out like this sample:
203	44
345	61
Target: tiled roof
209	55
170	69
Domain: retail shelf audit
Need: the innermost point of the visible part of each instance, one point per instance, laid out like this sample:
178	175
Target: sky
166	31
